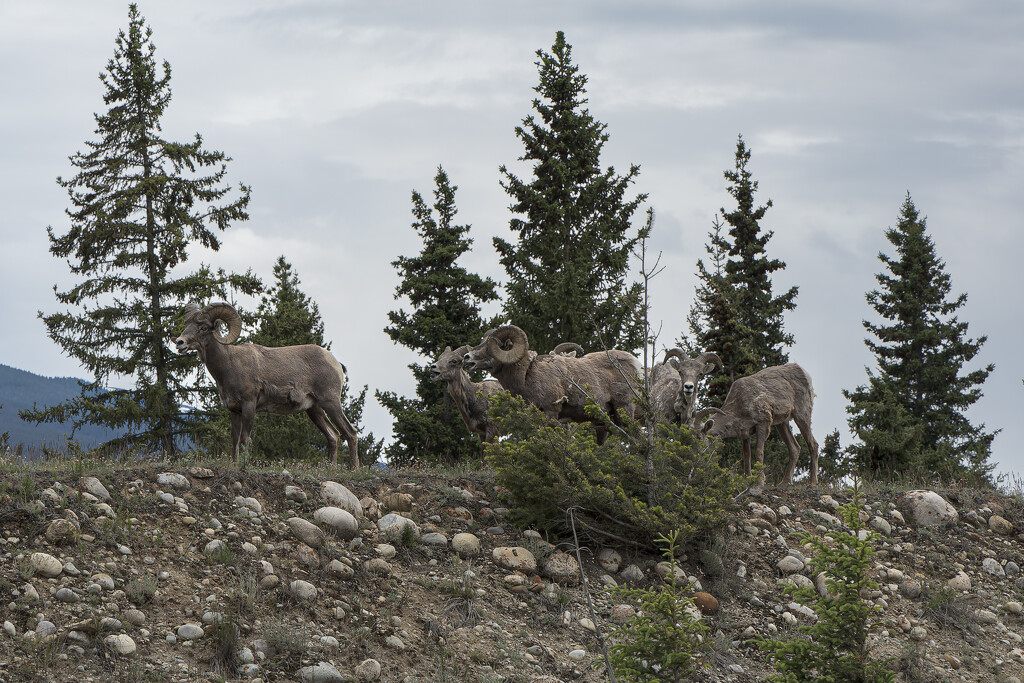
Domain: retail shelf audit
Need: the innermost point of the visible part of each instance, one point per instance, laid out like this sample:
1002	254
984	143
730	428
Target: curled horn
674	352
702	415
709	357
507	333
462	350
191	311
566	347
227	313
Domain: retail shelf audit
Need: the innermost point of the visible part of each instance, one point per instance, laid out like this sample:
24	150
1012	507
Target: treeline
139	201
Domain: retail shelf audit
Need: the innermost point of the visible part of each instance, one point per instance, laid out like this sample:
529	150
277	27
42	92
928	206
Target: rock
61	531
670	573
337	495
396	527
201	472
190	632
213	547
610	560
9	629
927	508
340	521
120	643
515	558
434	539
395	643
1010	568
466	545
340	569
386	550
762	511
306	531
377	566
798	580
1001	526
294	493
173	480
705	602
249	503
960	582
95	487
399	502
620	614
368	670
302	590
918	633
577	655
992	566
45	565
562	568
911	588
323	672
104	581
66	595
306	556
789	565
984	616
632	574
880	525
135	617
45	628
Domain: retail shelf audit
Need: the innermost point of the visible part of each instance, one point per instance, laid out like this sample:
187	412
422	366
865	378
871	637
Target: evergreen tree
287	317
567	270
446	303
910	414
735	313
139	201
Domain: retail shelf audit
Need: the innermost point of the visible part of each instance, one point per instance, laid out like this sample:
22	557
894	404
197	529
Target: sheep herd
252	378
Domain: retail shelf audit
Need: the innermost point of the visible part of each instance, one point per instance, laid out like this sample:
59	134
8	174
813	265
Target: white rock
46	565
960	582
610	560
323	672
190	631
120	643
515	558
307	532
368	670
9	629
340	521
466	544
295	493
95	487
337	495
173	480
992	566
302	590
880	525
394	526
250	503
927	508
789	565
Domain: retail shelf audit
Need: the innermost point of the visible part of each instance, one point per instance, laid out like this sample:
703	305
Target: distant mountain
20	389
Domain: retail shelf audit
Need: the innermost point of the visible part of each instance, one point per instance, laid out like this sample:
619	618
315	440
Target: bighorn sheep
470	397
559	385
569	349
252	378
773	396
690	370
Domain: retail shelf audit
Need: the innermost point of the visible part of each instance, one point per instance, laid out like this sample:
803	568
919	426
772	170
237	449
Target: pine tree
910	414
567	271
139	201
735	312
288	317
446	303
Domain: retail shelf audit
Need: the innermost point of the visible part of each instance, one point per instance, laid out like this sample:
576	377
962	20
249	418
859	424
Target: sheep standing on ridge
674	385
773	396
557	384
252	378
470	397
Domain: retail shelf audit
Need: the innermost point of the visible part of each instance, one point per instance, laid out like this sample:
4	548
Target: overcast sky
335	111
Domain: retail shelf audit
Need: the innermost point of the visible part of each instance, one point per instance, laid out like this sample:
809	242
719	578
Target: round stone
515	558
562	568
1000	525
789	565
395	527
120	643
190	631
368	670
61	531
337	495
466	544
705	602
434	539
338	520
323	672
302	590
307	532
927	508
45	565
173	480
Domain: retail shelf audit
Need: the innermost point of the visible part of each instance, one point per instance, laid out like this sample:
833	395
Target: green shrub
634	488
834	649
665	639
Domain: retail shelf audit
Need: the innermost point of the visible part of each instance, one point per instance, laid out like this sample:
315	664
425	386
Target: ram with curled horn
252	378
471	398
559	385
756	403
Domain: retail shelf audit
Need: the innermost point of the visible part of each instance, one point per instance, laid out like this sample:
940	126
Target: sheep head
201	325
448	364
569	349
721	426
691	369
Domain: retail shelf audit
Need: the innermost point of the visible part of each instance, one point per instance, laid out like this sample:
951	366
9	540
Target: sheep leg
338	419
762	436
805	429
319	418
236	432
792	446
247	419
746	456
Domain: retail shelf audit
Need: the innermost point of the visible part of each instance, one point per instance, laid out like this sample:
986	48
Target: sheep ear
447	349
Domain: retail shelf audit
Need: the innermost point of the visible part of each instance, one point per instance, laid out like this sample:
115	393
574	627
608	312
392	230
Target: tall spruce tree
288	317
446	301
735	312
567	270
139	201
910	416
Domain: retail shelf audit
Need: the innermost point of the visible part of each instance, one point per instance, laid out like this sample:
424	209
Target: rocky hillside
206	573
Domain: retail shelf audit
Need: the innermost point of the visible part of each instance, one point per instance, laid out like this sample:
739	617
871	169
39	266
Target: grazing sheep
470	397
773	396
690	371
252	378
559	385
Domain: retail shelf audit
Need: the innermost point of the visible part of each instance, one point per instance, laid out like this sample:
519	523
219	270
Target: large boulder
927	508
338	495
